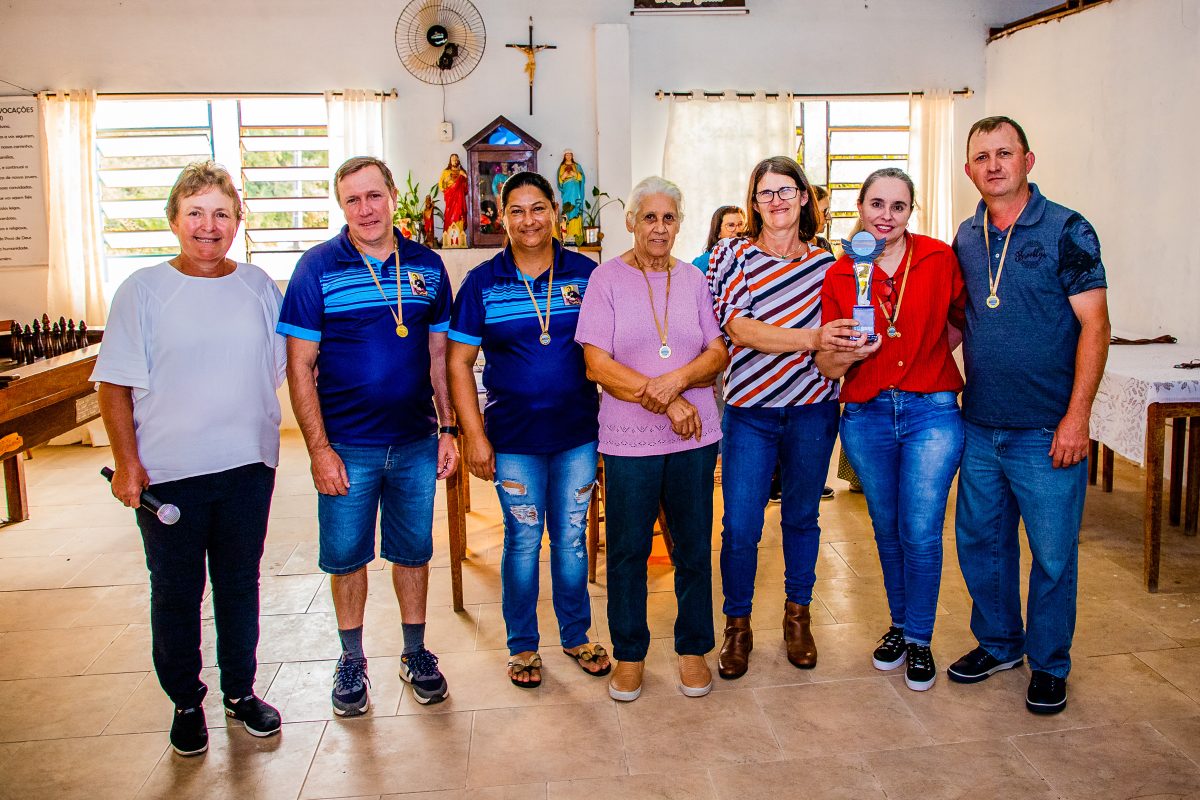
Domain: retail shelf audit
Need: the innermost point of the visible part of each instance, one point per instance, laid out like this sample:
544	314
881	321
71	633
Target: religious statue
427	223
453	184
570	186
499	177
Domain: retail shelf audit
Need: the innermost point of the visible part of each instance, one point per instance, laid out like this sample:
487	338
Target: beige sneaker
626	681
695	678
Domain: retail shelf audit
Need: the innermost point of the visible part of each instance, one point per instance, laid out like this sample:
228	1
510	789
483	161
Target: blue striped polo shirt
539	399
373	385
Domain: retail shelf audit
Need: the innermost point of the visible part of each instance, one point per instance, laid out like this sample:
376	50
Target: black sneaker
891	650
1047	693
259	718
979	665
189	734
827	492
921	672
421	670
350	684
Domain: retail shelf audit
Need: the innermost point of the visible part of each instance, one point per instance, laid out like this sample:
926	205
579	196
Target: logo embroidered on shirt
1031	254
417	284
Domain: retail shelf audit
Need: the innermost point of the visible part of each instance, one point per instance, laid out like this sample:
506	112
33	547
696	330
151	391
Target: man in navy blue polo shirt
1035	343
366	316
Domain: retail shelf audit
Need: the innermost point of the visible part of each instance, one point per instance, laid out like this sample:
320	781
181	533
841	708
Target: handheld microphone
167	514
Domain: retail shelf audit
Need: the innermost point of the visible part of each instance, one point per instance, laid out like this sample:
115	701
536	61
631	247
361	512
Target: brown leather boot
734	658
797	635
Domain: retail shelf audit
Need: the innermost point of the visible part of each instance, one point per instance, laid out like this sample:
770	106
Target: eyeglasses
766	196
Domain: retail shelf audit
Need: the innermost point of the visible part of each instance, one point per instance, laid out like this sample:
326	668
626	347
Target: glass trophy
863	249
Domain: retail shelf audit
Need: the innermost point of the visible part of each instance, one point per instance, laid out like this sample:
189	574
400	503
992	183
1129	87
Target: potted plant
591	235
410	207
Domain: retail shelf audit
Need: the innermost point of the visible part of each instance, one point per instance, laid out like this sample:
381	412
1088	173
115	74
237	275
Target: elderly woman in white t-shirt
188	371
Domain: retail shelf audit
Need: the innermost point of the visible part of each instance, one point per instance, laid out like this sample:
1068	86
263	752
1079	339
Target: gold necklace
665	350
784	256
543	324
398	314
993	300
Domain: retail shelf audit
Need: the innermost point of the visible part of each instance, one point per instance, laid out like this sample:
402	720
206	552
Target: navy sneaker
189	734
891	651
979	665
1047	693
259	718
421	670
350	684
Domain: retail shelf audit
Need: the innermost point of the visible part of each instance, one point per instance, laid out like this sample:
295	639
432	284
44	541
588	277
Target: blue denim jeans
905	448
683	484
1007	476
800	439
539	492
392	484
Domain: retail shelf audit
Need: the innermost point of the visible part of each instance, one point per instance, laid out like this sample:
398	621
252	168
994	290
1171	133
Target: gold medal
402	331
892	332
544	338
993	301
664	352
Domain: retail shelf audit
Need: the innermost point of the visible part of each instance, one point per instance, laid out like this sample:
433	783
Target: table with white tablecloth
1140	390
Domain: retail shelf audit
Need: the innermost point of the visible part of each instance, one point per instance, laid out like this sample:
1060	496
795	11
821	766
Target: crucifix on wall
531	50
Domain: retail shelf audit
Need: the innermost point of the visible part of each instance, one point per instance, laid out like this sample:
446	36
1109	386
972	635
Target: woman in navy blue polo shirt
536	439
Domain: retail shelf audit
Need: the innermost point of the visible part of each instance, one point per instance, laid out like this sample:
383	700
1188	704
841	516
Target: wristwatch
450	429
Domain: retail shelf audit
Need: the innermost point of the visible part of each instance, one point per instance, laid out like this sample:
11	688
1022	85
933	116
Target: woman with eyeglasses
901	428
779	407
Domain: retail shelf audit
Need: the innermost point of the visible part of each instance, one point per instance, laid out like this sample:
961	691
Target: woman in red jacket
901	428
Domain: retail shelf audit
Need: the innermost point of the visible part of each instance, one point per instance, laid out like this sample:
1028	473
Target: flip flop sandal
525	666
591	653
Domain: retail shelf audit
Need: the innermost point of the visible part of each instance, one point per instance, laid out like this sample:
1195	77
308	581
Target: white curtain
355	124
711	147
932	162
76	257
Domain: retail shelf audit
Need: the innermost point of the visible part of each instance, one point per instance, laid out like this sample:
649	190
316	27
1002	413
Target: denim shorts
392	484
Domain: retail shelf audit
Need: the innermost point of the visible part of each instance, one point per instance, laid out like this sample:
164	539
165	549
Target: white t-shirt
204	361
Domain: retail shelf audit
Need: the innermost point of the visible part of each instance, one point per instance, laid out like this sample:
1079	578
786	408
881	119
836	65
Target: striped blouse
745	281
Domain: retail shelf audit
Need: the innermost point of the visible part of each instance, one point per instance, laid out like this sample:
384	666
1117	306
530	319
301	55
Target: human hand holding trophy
863	249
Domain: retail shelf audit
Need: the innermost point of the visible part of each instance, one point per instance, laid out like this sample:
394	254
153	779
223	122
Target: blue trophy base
865	317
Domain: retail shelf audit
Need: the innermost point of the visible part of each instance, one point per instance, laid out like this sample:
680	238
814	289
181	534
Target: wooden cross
531	50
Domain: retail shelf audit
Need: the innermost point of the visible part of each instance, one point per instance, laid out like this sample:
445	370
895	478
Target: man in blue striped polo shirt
368	312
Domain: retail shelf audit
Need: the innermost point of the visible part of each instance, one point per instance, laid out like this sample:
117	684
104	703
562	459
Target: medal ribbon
543	324
398	314
994	283
664	327
895	315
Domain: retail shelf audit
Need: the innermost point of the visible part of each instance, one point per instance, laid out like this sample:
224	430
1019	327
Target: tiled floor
82	716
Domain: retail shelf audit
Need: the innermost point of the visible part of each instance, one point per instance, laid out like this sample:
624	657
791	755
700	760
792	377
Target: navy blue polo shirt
539	399
373	385
1020	356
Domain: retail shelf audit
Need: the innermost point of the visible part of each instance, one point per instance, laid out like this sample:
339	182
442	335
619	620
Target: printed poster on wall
22	211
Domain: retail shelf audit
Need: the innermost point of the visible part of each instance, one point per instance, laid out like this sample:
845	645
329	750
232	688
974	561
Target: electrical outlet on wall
446	132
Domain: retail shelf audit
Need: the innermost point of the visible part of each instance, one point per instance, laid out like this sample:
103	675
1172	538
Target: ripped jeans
540	491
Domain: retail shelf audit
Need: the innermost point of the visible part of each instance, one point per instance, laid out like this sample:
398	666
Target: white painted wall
312	45
1108	99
